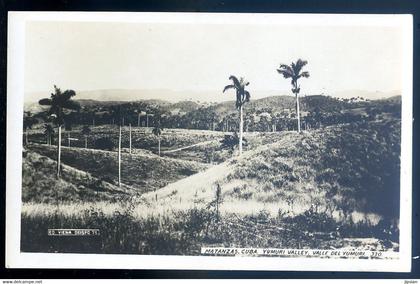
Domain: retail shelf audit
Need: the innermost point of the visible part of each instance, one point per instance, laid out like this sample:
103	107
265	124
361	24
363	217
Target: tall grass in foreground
184	232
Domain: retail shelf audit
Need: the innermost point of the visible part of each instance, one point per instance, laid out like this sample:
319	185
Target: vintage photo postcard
209	141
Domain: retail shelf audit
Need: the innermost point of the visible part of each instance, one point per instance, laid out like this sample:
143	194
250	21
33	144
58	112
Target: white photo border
15	94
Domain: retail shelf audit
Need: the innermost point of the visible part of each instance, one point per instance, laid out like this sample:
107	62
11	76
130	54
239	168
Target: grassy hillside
145	172
323	103
40	183
347	171
329	188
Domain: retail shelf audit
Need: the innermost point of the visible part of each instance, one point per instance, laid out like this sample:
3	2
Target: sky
200	57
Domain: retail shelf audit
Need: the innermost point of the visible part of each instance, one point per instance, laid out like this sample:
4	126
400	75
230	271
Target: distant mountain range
139	95
196	96
273	100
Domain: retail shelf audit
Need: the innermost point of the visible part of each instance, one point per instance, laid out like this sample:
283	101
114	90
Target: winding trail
188	147
199	186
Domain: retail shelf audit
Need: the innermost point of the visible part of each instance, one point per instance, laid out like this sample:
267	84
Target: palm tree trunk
130	137
138	120
26	135
119	159
159	145
59	152
298	112
85	142
241	127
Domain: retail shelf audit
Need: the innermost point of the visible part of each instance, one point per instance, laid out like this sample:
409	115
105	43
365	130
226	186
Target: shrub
311	221
104	144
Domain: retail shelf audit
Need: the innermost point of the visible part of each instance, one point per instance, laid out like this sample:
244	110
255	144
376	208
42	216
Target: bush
312	220
231	141
104	144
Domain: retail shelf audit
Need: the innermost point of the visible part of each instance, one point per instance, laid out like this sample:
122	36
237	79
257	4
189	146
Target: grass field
142	137
42	186
145	172
300	171
184	232
319	189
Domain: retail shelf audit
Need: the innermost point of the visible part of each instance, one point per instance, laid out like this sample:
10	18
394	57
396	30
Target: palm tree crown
242	96
58	102
294	72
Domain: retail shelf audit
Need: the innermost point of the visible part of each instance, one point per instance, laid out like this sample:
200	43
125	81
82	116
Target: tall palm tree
242	96
119	158
58	102
294	71
117	113
93	115
49	131
86	132
129	136
157	130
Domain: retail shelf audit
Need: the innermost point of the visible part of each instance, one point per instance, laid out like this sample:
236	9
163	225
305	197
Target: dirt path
188	147
199	186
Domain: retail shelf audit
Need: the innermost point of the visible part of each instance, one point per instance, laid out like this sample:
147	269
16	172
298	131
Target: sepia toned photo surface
200	141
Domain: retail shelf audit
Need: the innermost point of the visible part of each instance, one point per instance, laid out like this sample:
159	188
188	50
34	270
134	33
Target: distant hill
367	94
138	95
32	107
278	103
184	106
394	99
273	103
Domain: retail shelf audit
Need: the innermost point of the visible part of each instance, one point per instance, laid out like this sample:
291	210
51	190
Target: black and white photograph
272	141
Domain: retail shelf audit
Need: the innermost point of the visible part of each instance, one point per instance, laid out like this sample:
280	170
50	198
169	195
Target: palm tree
294	72
119	158
157	130
242	96
273	123
117	113
28	122
129	128
92	113
58	102
49	131
86	132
